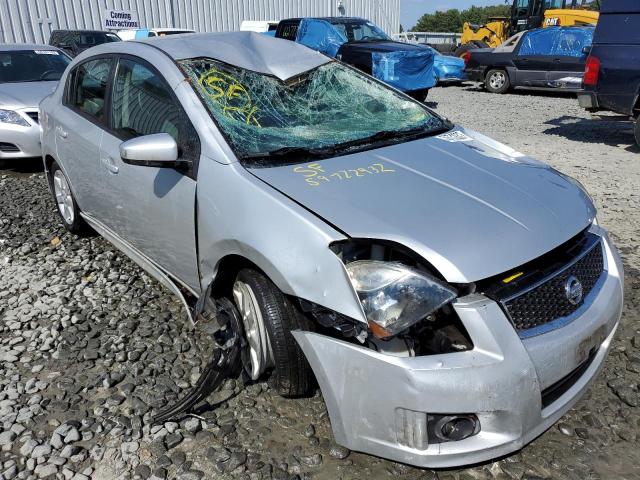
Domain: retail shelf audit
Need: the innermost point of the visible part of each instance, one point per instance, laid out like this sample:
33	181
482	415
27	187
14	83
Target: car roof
248	50
12	47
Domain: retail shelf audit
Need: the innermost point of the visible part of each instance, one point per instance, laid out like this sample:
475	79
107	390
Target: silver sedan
452	297
28	73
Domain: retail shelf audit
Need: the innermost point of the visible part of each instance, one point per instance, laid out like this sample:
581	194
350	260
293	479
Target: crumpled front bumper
373	398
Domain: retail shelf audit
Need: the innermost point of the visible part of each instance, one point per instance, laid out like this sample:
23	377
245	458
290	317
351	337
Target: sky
412	10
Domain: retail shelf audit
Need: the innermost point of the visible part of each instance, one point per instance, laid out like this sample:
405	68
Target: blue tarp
405	70
447	67
320	35
142	33
561	41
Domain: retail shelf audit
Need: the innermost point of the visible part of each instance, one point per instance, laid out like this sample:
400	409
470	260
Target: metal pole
173	14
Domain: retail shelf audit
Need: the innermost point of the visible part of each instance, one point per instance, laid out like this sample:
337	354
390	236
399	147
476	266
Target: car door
79	126
152	209
569	57
533	60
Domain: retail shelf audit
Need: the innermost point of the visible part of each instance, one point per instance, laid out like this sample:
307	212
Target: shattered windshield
331	109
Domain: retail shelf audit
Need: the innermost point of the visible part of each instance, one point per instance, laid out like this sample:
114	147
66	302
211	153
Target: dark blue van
612	71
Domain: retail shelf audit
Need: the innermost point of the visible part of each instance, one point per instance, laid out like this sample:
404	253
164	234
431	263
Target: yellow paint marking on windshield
314	174
512	277
232	97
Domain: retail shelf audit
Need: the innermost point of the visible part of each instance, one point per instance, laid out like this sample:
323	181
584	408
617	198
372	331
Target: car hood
25	94
470	206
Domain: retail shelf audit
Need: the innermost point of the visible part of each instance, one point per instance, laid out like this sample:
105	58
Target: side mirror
157	150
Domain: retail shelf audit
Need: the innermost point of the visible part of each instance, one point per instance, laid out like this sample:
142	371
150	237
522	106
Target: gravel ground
90	345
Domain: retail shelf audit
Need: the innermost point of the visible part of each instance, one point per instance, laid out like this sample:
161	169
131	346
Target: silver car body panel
513	209
152	208
509	209
500	381
292	247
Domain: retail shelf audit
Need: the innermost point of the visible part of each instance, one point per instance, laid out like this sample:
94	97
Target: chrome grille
547	301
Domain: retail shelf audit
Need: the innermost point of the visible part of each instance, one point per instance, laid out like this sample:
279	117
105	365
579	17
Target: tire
66	205
291	376
419	95
462	49
497	81
636	130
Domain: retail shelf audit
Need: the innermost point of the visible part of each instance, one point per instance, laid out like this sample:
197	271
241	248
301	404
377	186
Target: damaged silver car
452	297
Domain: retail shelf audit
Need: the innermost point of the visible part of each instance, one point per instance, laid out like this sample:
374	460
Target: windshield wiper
391	135
299	153
289	152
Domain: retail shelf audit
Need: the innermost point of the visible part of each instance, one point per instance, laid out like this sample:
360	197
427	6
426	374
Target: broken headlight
395	296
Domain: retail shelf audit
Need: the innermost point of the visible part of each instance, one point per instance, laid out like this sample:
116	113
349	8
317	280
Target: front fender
239	214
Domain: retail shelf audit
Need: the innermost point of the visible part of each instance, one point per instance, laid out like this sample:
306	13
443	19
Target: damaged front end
460	385
406	304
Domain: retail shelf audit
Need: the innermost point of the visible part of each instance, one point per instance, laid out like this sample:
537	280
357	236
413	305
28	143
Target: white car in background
28	73
140	33
260	26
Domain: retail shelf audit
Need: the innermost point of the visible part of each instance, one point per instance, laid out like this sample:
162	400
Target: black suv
75	42
612	71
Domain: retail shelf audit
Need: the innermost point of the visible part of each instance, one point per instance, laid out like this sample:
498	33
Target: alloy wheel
259	348
64	199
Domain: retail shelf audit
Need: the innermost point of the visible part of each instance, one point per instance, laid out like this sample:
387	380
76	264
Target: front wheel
66	203
269	318
419	95
497	81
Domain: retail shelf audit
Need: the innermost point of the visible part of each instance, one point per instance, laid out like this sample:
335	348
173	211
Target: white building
27	21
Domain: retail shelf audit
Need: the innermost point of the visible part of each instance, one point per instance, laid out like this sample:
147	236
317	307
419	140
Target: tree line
451	20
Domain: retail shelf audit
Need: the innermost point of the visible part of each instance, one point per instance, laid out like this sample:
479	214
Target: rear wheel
65	202
269	318
497	81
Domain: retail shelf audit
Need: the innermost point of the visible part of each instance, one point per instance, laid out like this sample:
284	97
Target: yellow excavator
525	15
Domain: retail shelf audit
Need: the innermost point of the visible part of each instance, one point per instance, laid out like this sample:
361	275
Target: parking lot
89	343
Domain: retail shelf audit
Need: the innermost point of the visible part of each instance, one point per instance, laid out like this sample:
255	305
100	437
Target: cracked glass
328	109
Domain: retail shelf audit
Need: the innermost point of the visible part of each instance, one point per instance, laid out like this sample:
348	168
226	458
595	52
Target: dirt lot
89	344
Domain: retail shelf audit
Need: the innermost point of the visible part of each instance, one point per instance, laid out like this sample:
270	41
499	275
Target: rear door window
88	87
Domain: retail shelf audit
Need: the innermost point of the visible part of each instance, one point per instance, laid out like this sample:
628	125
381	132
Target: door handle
62	133
110	165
